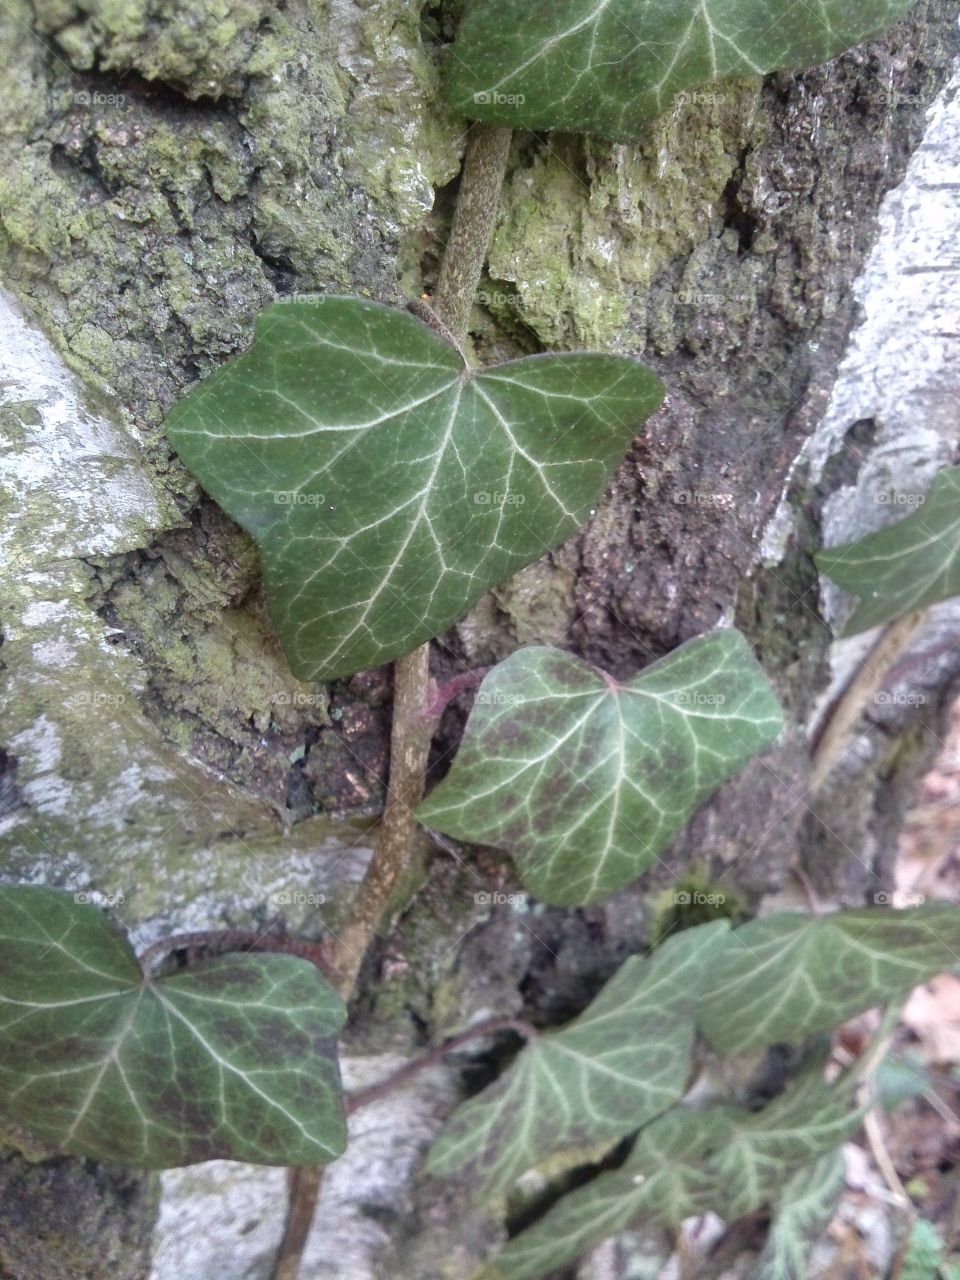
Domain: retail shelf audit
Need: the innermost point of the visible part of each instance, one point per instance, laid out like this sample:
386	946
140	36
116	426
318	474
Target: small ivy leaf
785	977
608	66
804	1208
623	1061
908	565
584	780
682	1165
234	1060
388	485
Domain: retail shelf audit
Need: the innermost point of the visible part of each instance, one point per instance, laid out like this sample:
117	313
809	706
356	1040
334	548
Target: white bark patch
225	1219
902	370
105	803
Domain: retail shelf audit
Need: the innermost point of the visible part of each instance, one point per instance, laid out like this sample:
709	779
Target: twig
865	1072
409	749
484	166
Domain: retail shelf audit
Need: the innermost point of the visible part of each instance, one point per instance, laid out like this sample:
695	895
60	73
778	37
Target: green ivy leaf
608	66
785	977
623	1061
908	565
584	780
235	1059
687	1162
804	1208
387	485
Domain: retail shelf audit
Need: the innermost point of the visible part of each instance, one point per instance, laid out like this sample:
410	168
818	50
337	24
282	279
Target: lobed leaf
908	565
388	485
235	1059
583	780
623	1061
608	66
804	1207
688	1162
784	977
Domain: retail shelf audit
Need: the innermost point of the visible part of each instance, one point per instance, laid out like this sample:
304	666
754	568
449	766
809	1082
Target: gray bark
165	176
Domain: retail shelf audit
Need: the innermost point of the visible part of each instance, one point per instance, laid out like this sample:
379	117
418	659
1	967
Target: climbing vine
388	483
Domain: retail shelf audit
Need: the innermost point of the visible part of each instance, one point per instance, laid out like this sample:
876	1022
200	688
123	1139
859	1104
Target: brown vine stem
484	166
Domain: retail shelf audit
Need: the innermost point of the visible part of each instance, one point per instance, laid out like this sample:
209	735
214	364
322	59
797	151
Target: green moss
201	48
584	230
537	603
692	901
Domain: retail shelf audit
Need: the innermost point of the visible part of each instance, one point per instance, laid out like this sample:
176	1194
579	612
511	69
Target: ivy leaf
584	780
908	565
681	1165
785	977
623	1061
607	66
388	485
804	1208
235	1059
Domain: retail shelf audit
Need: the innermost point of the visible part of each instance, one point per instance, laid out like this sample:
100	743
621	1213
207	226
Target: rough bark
165	175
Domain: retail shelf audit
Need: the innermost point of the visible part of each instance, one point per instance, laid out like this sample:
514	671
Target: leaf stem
484	166
410	1070
222	941
409	748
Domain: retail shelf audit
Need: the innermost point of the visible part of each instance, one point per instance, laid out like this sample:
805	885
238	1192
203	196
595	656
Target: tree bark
165	177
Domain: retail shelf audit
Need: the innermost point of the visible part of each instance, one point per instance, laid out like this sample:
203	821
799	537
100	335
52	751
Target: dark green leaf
624	1060
908	565
724	1159
607	66
785	977
584	780
235	1059
388	485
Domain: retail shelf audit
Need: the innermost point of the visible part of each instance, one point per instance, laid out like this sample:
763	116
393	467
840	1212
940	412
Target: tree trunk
169	170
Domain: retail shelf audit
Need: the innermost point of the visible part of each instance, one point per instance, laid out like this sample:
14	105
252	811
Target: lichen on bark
261	150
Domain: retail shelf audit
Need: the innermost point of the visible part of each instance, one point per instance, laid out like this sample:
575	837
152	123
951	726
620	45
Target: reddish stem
441	695
223	941
412	1069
